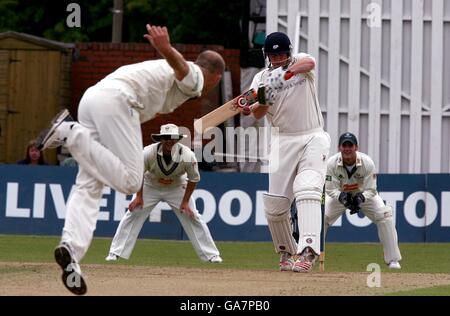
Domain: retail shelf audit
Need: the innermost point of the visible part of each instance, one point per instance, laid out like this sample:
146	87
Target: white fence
383	72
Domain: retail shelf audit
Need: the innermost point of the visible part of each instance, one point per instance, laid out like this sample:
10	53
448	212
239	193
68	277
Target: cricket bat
225	111
322	234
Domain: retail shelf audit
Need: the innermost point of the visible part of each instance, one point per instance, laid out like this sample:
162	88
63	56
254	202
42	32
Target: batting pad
309	224
388	237
277	210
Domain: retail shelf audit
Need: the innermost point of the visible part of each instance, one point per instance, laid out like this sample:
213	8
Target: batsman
299	150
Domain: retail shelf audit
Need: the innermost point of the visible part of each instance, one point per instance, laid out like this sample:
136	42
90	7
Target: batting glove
277	78
272	84
266	96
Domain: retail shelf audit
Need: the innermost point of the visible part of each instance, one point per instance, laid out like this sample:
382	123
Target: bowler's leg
83	207
81	217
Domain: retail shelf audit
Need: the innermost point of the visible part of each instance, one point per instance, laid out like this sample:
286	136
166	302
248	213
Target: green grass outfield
340	257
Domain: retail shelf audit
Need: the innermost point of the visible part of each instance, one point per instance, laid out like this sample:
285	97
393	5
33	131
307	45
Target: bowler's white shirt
152	88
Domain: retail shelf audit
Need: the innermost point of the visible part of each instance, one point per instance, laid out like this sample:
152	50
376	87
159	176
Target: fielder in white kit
107	140
351	184
171	175
297	169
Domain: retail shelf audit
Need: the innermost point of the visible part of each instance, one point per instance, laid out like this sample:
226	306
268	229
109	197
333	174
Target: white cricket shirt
182	168
361	179
296	108
151	86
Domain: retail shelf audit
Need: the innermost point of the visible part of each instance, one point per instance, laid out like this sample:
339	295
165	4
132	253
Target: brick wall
93	61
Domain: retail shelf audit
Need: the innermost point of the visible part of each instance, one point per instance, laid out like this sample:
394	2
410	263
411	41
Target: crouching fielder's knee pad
387	234
308	188
277	209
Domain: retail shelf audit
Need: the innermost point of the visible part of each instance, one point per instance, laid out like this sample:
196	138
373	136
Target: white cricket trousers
297	170
195	228
107	144
293	154
375	209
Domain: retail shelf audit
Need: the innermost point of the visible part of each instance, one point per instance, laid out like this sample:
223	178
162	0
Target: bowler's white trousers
107	144
195	228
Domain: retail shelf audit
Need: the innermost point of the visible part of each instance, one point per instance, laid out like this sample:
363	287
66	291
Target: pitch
158	268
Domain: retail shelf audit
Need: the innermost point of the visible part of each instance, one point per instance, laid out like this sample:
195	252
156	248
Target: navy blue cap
277	43
348	137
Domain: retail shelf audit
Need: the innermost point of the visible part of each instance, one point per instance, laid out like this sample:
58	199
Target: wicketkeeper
351	184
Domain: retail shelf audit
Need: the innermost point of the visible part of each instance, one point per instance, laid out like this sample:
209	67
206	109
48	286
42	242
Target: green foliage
189	21
47	18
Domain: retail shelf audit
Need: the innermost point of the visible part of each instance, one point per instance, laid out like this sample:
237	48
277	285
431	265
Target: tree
189	21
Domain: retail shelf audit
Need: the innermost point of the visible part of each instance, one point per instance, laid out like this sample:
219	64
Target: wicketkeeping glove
346	199
358	199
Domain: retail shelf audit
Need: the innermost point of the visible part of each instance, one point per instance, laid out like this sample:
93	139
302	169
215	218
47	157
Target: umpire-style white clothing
166	182
361	178
298	154
107	143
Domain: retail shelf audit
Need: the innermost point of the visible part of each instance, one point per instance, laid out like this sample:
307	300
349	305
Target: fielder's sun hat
348	137
168	131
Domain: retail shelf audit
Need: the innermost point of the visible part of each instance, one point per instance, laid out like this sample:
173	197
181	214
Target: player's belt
165	181
350	187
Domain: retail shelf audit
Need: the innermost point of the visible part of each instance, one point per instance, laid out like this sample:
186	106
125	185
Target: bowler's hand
136	203
184	208
159	37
